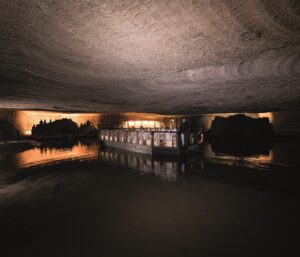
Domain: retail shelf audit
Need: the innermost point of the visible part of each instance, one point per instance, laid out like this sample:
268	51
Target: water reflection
56	151
50	152
242	148
257	155
97	207
12	164
166	169
261	157
57	163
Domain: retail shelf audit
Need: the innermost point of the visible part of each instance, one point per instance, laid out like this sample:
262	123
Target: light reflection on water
167	168
80	200
49	155
46	166
14	163
257	161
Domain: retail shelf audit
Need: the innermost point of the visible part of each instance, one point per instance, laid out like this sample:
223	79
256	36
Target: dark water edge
74	199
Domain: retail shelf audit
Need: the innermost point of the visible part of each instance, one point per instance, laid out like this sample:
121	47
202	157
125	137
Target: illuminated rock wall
287	123
284	123
24	120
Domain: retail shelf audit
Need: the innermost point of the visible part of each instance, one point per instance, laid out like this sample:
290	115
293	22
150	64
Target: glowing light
268	115
207	119
38	156
143	123
26	119
130	123
259	161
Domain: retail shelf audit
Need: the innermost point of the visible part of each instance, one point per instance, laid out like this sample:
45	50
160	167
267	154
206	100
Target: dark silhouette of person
184	129
184	126
200	136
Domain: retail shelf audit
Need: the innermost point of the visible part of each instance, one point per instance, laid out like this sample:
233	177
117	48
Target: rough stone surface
161	56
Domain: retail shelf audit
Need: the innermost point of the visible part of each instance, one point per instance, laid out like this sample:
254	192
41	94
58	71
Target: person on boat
184	129
200	136
184	126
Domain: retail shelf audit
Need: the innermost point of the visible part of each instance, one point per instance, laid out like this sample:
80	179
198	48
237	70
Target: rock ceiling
160	56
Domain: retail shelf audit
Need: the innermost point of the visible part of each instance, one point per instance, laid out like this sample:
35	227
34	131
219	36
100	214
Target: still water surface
72	198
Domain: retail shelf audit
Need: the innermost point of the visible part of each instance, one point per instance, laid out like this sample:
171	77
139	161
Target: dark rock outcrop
240	127
61	127
8	130
87	129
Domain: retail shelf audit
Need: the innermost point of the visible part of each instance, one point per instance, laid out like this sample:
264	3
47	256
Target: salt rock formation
240	126
161	56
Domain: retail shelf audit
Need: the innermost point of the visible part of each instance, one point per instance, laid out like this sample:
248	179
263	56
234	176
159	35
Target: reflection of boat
18	145
166	167
241	148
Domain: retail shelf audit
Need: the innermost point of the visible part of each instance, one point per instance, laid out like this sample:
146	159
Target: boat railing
154	138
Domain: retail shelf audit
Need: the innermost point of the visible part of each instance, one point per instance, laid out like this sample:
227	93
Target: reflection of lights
39	156
258	161
166	171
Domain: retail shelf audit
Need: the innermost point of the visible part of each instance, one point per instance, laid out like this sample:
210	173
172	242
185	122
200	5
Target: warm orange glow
207	119
260	161
144	123
26	119
268	115
37	156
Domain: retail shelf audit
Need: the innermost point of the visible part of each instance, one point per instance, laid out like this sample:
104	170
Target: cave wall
24	120
8	115
285	123
8	124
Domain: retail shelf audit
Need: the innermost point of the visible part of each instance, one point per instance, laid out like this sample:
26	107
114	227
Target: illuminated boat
143	141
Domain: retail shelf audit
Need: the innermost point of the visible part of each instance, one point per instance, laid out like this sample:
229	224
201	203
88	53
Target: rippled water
72	198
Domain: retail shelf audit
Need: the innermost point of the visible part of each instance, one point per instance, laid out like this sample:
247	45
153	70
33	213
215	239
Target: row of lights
142	123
